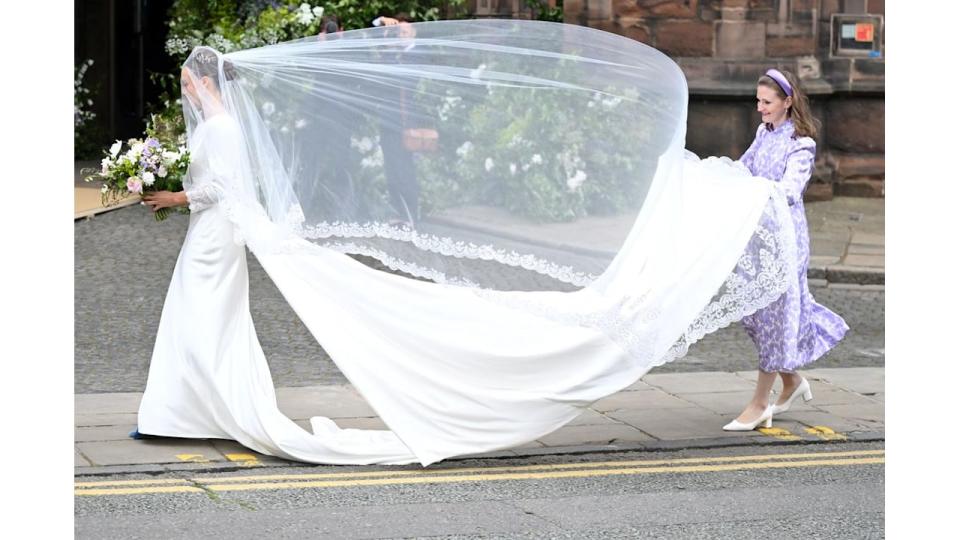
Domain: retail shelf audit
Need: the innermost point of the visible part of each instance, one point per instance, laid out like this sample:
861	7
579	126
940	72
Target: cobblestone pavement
123	262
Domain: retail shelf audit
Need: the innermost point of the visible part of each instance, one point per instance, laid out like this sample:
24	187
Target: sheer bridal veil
531	166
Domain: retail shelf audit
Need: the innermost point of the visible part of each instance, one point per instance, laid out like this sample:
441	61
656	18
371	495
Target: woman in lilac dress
794	330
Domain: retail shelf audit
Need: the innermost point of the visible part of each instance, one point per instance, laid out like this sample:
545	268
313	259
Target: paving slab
305	402
360	423
79	460
105	419
639	385
862	249
863	380
872	413
687	423
689	383
591	417
132	452
596	434
876	260
838	396
118	432
639	400
728	403
127	402
866	238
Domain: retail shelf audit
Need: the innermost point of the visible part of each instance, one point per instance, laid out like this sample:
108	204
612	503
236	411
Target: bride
639	250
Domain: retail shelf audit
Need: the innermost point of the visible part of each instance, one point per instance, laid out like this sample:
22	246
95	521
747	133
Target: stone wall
724	45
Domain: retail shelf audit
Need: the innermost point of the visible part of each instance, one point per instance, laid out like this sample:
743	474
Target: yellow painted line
779	433
249	460
104	483
491	477
192	458
138	491
826	433
556	466
467	470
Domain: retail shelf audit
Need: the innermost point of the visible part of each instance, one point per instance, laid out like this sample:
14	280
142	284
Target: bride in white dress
451	369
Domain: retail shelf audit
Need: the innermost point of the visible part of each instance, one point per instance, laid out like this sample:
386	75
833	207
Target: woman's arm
165	199
747	157
798	170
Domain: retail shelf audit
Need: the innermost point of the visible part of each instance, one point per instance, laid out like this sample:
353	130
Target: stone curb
855	275
652	446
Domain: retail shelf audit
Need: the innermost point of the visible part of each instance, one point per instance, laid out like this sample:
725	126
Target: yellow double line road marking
478	474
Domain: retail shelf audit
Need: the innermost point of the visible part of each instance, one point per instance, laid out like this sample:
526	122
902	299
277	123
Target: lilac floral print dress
794	330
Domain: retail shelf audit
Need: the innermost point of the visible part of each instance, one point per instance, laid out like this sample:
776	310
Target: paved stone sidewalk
661	411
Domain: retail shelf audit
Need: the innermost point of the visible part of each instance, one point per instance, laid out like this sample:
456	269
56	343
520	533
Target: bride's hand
164	199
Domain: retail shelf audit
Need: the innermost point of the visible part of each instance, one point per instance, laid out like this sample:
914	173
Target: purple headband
780	80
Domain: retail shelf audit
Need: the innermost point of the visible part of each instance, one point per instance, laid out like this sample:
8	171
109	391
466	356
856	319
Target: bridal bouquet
147	165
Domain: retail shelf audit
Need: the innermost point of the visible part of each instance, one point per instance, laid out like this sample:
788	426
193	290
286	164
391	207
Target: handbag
420	139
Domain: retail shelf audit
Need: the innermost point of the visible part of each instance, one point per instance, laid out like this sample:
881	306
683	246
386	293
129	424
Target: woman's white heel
766	418
803	389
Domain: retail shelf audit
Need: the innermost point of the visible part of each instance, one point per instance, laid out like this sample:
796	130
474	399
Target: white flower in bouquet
104	188
105	164
536	159
577	179
318	11
488	164
170	157
148	178
115	149
162	171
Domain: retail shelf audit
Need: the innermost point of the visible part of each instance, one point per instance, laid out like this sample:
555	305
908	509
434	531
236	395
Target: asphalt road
122	266
823	491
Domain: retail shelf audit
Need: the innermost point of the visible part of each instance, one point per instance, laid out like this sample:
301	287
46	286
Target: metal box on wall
858	35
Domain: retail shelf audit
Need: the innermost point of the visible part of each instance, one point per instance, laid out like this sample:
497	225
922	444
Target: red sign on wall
864	32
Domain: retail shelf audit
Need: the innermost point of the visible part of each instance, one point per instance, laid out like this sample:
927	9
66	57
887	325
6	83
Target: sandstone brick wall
724	45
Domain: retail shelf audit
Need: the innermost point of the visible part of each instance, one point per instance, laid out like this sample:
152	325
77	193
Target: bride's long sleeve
203	196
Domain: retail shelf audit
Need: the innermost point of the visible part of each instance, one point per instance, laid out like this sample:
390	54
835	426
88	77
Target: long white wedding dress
592	123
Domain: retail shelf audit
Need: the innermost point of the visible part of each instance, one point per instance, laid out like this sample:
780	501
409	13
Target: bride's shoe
766	418
802	389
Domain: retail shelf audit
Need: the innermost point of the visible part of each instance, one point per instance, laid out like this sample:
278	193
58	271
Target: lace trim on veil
435	244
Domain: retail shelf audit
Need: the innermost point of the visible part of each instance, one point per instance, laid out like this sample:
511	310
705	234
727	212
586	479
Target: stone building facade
836	47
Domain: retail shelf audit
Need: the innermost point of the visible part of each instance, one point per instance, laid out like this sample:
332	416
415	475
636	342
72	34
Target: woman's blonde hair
804	123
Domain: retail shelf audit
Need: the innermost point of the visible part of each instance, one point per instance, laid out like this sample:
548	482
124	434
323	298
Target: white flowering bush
81	96
85	131
546	156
